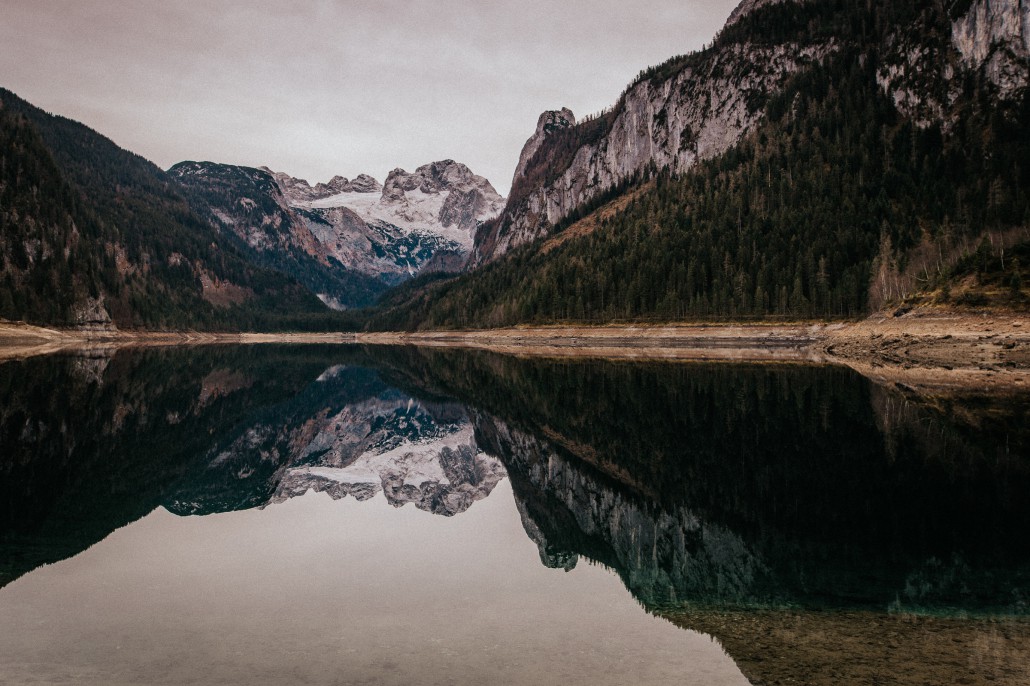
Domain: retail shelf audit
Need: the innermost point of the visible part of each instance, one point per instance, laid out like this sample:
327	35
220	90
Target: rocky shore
926	349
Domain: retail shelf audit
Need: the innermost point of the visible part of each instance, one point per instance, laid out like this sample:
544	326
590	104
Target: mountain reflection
736	484
720	484
348	433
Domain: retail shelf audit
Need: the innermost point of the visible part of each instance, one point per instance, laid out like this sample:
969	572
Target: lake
396	515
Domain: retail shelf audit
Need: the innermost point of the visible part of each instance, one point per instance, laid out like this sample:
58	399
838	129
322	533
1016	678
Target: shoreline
923	349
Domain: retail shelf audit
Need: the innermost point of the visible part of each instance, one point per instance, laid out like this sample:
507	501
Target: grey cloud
322	88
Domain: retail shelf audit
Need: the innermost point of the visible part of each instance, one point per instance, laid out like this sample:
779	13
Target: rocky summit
347	240
441	199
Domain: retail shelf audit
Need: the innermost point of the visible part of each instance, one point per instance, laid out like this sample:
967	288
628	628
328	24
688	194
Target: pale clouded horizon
330	87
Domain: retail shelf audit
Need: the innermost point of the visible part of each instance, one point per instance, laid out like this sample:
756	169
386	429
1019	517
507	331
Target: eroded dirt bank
687	341
835	647
931	350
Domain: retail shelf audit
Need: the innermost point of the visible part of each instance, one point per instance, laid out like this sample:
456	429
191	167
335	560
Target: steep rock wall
995	35
696	114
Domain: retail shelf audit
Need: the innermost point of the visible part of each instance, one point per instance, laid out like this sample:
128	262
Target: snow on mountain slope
444	199
347	434
347	240
443	474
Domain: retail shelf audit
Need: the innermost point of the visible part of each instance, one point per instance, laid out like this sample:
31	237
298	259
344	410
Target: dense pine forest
841	200
836	204
89	231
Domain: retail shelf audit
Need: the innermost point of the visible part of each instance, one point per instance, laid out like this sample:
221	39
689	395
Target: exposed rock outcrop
995	35
922	76
91	313
699	112
298	190
548	123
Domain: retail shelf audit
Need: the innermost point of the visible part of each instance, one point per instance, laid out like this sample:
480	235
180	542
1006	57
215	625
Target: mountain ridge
95	235
346	240
865	164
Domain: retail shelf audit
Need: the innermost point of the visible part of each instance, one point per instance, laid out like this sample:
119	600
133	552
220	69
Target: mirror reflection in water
464	515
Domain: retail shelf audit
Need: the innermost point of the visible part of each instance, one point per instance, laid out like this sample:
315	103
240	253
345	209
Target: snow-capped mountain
442	198
399	227
347	240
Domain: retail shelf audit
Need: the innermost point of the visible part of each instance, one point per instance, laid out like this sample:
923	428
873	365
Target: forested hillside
847	195
92	235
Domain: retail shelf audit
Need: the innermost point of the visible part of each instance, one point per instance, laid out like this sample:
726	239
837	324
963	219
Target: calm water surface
386	516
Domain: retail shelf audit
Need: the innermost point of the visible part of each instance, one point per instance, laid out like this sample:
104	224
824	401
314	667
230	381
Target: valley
721	378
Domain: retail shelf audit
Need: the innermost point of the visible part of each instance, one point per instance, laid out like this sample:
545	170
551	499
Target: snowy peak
465	199
438	177
299	191
443	201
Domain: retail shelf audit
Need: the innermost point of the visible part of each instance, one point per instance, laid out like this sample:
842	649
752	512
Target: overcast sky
323	87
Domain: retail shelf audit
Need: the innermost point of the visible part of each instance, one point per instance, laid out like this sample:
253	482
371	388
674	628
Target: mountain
408	224
93	235
697	107
348	241
247	205
820	158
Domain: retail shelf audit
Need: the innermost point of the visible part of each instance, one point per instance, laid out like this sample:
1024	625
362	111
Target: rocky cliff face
549	123
923	72
347	240
696	107
994	35
696	112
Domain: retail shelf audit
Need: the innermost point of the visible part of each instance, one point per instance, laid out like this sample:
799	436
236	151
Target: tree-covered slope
867	176
93	234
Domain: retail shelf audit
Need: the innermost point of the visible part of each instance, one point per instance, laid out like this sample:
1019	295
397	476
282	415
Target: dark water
394	515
